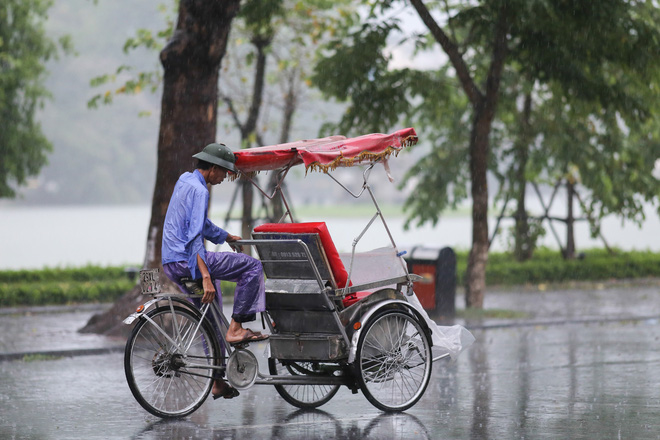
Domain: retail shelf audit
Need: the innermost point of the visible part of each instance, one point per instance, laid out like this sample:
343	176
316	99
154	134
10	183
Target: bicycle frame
215	315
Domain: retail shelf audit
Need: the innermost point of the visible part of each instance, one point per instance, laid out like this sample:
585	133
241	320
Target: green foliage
615	159
591	67
74	274
134	82
591	71
608	155
259	14
89	284
547	266
63	286
24	50
596	50
444	167
357	69
132	86
51	292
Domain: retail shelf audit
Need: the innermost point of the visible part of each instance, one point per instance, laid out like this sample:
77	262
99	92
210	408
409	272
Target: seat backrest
316	236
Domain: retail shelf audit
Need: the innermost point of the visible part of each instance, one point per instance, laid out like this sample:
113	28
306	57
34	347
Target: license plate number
149	281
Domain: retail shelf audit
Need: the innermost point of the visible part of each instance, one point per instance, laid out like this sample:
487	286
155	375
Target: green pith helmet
218	154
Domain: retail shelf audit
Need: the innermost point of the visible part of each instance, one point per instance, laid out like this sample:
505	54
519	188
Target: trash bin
437	291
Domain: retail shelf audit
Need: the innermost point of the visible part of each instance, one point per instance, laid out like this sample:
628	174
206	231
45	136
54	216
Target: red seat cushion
336	265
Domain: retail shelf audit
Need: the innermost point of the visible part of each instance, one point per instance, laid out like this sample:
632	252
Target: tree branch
290	93
232	111
500	48
452	31
452	51
260	43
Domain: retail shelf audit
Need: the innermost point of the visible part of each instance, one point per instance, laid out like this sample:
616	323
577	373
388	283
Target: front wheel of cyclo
393	360
167	361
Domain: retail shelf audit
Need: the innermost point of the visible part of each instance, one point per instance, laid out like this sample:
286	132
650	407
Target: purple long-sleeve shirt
187	225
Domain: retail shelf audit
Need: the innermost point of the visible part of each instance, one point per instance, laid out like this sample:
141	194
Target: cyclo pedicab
334	320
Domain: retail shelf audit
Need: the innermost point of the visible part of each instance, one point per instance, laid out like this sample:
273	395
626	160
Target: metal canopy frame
355	194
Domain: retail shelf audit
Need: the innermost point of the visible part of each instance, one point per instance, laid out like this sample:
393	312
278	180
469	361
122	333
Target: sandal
249	336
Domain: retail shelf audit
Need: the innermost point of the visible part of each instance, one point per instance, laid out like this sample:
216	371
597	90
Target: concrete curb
54	308
60	353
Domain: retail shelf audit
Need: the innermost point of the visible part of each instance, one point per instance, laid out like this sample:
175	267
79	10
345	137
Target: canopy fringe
364	156
237	176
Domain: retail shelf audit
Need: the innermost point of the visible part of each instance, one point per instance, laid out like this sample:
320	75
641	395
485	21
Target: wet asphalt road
581	364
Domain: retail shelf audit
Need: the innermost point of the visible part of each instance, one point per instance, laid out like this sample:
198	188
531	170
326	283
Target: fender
143	308
376	308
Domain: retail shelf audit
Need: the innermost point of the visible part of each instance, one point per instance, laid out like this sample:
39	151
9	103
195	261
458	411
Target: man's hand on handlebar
230	241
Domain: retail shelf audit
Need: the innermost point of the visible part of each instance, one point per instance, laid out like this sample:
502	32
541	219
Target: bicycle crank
242	369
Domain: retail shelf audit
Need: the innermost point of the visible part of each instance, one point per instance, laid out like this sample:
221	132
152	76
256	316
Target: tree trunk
249	130
247	220
290	105
524	244
523	248
483	105
569	253
191	62
484	113
476	270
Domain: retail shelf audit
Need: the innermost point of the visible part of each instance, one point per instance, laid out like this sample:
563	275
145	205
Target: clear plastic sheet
446	339
383	263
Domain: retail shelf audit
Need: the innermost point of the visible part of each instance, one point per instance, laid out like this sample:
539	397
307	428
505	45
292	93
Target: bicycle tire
393	360
159	369
301	396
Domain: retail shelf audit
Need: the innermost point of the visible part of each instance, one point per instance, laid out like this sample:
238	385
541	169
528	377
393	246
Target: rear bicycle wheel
168	360
301	396
393	360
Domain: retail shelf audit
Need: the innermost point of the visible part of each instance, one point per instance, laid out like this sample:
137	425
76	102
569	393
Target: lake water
36	237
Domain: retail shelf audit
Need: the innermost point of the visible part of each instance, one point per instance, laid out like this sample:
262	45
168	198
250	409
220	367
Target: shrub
99	284
87	284
548	266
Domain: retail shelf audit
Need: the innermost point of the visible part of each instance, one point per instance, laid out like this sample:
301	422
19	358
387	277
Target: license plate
149	281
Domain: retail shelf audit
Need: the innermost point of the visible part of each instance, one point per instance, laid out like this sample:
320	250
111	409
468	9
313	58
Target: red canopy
326	153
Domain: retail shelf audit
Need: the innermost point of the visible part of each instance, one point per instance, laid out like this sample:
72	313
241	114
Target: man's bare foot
223	389
245	336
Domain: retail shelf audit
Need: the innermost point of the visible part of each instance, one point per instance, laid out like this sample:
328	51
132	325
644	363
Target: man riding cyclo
184	255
